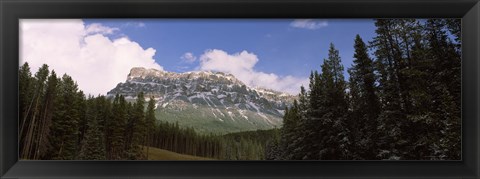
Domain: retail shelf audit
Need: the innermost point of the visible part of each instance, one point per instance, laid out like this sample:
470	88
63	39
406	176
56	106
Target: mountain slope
207	101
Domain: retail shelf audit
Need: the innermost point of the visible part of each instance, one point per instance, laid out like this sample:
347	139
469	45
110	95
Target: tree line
402	100
59	122
171	137
249	145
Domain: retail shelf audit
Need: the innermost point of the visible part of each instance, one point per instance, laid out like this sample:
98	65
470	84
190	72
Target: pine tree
419	80
104	113
313	114
26	91
364	104
445	88
128	136
89	114
31	121
289	136
150	122
416	128
78	110
47	114
115	129
92	147
136	129
388	55
300	142
335	141
65	121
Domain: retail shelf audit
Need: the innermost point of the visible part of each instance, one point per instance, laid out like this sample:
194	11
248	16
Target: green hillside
206	120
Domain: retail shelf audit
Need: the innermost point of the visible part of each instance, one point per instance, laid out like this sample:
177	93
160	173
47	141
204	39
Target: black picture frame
11	11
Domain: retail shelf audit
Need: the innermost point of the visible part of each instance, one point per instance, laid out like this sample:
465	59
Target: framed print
314	89
195	103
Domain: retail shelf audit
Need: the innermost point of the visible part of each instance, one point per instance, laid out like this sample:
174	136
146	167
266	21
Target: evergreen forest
402	101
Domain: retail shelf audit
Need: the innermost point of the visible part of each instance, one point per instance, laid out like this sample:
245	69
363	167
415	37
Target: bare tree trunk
28	138
24	121
148	146
42	131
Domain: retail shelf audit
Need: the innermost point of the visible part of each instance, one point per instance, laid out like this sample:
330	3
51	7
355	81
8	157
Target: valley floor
161	154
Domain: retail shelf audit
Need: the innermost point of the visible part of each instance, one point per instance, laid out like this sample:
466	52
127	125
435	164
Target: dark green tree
334	141
364	103
26	91
47	114
31	122
388	57
65	121
150	123
115	129
92	147
137	130
445	88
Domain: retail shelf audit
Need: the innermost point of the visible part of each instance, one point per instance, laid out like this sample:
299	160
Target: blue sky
269	53
281	48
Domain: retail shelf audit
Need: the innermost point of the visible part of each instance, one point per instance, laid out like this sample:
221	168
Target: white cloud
241	66
140	24
188	57
134	24
95	61
310	24
96	28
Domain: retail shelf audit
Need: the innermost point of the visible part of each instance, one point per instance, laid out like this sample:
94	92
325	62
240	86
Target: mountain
210	102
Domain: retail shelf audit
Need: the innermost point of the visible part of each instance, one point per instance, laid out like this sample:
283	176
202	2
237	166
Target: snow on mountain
207	101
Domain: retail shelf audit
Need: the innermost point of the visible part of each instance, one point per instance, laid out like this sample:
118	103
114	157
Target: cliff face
207	101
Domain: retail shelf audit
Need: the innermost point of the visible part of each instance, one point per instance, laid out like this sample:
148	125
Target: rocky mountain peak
204	98
141	72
